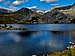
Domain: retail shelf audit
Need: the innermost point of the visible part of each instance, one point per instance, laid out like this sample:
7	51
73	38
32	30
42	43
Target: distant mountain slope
38	10
67	9
5	11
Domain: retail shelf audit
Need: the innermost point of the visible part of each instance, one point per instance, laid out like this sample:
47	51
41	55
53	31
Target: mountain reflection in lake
33	42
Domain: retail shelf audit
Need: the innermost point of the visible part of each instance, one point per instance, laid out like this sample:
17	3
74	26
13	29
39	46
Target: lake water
46	39
38	27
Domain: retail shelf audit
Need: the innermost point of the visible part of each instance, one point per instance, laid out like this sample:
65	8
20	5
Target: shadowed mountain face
58	15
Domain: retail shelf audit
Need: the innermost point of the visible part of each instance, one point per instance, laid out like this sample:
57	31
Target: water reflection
36	42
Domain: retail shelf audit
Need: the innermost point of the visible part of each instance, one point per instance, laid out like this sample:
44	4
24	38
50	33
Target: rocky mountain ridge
58	15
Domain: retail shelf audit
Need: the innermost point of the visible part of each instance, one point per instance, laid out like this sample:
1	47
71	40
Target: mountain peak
24	9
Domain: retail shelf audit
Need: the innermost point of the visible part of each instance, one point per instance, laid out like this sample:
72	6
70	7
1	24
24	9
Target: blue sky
41	4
